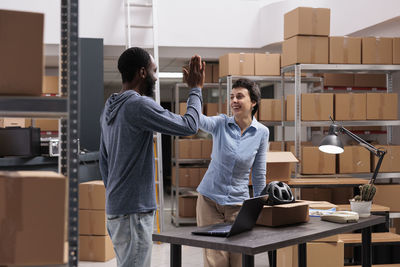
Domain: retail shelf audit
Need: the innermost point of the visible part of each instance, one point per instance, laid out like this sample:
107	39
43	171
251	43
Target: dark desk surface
262	239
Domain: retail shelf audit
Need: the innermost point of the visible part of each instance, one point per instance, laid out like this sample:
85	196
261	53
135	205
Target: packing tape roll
345	50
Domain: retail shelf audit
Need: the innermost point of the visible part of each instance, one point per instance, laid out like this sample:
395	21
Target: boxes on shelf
187	205
355	159
206	148
47	124
208	73
21	51
92	222
318	254
215	74
388	195
305	49
14	122
92	195
338	80
370	80
189	148
307	21
236	64
211	109
33	216
377	50
382	106
284	214
391	159
188	177
279	166
317	162
50	85
316	106
267	64
270	110
344	50
317	194
350	106
95	248
182	108
396	50
276	146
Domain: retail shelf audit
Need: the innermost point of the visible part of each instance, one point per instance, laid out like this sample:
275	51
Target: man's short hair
254	91
131	61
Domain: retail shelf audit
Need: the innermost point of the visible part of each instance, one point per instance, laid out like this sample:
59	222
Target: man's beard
148	87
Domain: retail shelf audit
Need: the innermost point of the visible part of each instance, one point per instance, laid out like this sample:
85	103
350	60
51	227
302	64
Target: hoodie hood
114	102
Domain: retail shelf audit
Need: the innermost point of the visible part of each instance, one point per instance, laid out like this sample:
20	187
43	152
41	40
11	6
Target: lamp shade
331	144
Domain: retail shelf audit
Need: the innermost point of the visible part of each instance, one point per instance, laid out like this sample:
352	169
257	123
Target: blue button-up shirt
233	156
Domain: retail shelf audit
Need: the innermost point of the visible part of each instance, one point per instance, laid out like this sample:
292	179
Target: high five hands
195	75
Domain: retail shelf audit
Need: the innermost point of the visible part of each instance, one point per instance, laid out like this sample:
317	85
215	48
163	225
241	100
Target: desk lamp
332	144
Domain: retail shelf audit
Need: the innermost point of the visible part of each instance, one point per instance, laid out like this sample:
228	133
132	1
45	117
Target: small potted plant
362	202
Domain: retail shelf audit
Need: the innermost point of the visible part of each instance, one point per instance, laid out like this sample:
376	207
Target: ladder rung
140	5
142	26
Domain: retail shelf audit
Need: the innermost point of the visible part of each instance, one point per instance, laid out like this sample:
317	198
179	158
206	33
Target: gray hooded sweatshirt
126	147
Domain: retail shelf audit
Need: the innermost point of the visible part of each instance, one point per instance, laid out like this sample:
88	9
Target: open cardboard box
278	166
284	214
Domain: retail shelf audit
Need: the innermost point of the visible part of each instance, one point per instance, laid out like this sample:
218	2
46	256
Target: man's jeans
131	235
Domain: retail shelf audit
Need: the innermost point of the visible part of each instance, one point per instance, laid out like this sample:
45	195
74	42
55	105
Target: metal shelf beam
342	68
381	175
344	123
44	107
272	79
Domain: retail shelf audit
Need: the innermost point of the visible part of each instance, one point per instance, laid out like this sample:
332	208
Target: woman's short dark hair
131	61
254	91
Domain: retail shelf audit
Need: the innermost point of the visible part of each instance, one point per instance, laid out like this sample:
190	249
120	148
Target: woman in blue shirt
240	145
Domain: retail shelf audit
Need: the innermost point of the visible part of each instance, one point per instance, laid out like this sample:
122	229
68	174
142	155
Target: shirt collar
254	122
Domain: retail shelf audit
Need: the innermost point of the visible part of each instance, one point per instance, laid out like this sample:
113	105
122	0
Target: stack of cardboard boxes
95	243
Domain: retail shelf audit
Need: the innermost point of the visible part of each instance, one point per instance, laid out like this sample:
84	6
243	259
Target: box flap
30	174
281	157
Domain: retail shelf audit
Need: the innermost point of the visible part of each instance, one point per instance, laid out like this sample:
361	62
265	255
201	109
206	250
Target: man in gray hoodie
127	167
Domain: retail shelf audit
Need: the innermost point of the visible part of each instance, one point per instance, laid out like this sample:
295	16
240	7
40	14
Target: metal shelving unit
64	108
176	190
336	68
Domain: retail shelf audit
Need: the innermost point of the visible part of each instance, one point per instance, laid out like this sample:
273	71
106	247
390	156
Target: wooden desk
262	239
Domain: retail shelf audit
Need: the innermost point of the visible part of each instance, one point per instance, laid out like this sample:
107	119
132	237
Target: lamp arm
378	165
362	142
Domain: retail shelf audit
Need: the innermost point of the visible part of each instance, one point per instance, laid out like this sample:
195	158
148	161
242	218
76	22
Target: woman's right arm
209	124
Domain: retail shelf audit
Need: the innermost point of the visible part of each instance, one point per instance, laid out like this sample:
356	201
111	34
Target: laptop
245	220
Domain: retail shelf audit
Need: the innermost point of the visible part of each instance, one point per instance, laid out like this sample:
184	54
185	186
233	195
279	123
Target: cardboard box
370	80
206	148
50	85
215	73
396	50
211	109
344	50
305	49
270	110
289	145
290	111
342	195
355	159
316	107
187	206
21	53
338	80
318	254
278	165
92	195
202	173
284	214
349	106
382	106
236	64
182	108
47	124
208	73
14	122
95	248
317	162
92	222
276	146
190	148
317	194
33	216
267	64
377	50
388	195
390	161
188	177
307	21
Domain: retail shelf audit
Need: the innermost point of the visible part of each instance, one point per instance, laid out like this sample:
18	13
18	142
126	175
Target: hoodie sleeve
153	117
103	162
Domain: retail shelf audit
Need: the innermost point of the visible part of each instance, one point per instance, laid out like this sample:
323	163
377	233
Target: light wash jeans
131	235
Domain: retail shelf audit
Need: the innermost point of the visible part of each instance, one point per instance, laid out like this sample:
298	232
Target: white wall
208	23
